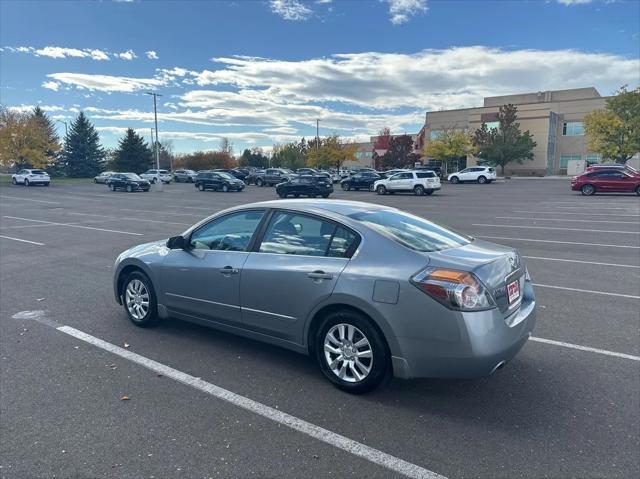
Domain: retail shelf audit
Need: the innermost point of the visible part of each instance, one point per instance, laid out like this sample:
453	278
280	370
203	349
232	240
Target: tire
482	179
95	181
154	181
13	180
201	187
418	190
371	188
346	186
259	182
325	196
373	370
112	187
136	288
381	190
26	182
312	195
225	188
454	180
638	191
282	195
129	189
588	190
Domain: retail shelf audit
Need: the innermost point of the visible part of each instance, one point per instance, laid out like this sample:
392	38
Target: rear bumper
487	341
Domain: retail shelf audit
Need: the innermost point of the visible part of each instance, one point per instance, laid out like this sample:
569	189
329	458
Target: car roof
338	207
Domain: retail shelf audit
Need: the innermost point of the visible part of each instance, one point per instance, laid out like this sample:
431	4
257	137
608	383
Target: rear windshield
38	172
411	231
428	174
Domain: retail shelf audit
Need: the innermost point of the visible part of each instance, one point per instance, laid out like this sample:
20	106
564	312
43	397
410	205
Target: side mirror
176	242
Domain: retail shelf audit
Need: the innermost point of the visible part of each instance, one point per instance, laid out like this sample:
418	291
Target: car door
203	280
403	182
619	182
296	267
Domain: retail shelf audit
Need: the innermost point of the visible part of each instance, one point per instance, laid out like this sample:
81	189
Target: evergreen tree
83	156
133	154
52	139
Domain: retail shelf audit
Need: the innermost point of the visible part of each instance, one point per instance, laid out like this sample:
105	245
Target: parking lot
566	406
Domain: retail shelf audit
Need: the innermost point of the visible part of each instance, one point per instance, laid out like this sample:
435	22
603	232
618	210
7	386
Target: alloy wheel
137	299
348	353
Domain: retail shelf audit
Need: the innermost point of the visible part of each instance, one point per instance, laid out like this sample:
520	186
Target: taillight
459	290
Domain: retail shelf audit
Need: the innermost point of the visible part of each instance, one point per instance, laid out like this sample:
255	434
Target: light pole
317	141
65	126
155	115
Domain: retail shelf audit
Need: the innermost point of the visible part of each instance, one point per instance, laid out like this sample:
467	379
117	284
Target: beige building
554	118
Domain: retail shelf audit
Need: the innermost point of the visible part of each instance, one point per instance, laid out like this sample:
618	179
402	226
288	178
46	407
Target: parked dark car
187	176
128	182
253	175
606	181
234	172
360	181
218	181
273	176
306	185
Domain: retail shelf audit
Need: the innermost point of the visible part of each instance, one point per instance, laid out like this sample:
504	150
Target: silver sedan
368	291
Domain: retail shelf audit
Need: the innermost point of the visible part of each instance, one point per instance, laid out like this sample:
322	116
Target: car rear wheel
139	300
225	188
454	180
129	188
588	190
351	352
95	181
201	187
346	186
13	180
381	190
259	182
482	180
418	190
638	191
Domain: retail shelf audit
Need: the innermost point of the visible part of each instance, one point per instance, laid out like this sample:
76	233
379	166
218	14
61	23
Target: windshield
226	176
411	231
132	176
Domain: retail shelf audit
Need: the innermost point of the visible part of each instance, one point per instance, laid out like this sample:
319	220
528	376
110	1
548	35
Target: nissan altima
310	276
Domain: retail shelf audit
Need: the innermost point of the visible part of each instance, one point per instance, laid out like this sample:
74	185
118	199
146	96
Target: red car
606	181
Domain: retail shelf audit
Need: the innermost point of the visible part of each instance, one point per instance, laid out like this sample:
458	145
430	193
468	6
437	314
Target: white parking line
333	439
71	225
557	242
22	240
162	212
555	228
601	203
130	219
573	214
619	295
564	220
581	262
29	199
586	348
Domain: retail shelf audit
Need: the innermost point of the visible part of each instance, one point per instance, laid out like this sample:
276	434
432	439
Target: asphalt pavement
566	406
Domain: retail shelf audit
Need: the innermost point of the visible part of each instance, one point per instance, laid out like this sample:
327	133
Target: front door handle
227	270
320	275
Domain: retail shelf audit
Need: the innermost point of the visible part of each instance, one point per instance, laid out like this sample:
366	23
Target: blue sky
261	72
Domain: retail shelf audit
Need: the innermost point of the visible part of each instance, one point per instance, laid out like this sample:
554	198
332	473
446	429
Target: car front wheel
454	180
201	187
381	190
259	182
26	182
139	300
13	180
482	180
351	352
225	188
129	189
638	191
346	186
588	190
112	187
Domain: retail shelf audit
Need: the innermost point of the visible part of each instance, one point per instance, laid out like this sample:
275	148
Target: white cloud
401	11
574	2
98	54
61	52
151	55
128	55
107	83
290	9
51	85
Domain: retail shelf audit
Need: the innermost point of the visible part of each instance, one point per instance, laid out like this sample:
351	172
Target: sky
260	72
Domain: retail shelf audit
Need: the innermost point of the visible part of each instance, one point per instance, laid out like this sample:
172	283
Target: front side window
406	176
296	234
231	232
411	231
572	128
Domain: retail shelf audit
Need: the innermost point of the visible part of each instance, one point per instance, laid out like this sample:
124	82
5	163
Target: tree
83	156
505	144
133	154
381	142
166	154
24	142
255	158
226	145
290	155
400	153
450	145
205	160
329	152
52	139
614	132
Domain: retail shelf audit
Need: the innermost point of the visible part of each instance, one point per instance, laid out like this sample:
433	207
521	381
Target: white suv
157	175
480	174
31	177
419	182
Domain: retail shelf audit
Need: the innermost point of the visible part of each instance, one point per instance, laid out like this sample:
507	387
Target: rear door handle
229	270
320	275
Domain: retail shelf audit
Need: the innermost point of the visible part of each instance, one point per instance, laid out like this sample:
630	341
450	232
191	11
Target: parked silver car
366	290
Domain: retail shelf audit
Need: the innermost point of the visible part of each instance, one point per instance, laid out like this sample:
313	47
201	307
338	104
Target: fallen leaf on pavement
124	398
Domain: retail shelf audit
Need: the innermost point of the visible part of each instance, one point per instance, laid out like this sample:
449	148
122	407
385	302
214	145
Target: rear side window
411	231
342	243
427	174
491	170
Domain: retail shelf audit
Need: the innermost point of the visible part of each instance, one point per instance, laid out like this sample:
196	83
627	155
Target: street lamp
155	114
65	126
